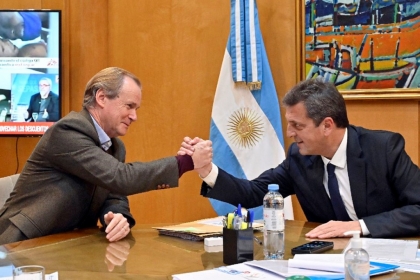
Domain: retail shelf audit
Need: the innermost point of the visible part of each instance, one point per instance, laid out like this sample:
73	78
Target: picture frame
368	52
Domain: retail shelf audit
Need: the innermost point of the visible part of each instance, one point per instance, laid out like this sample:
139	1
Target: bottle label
273	219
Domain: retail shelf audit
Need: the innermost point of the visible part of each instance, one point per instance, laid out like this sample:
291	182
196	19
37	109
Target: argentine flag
246	123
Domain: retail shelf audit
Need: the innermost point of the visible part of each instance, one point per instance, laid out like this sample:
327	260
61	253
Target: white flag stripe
238	49
254	59
229	98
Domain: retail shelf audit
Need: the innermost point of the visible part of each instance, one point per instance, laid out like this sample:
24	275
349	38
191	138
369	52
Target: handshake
201	152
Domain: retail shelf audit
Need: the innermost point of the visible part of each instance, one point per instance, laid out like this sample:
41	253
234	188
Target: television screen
30	66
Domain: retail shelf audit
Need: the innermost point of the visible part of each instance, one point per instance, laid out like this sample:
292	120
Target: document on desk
391	251
335	263
198	230
267	270
283	269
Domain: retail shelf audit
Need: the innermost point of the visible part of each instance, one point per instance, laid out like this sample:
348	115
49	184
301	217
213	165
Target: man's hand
45	114
203	154
187	147
333	229
117	226
116	254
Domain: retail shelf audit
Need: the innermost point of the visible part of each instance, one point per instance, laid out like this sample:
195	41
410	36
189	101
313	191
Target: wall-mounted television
30	68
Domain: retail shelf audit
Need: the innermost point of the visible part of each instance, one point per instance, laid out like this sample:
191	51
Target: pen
238	219
250	218
257	240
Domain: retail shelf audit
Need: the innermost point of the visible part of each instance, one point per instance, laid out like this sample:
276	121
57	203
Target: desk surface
86	254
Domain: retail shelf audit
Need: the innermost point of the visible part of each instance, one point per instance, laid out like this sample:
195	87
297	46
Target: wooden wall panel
163	50
395	115
88	45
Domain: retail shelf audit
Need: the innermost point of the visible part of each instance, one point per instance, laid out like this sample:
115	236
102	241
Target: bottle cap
273	187
356	242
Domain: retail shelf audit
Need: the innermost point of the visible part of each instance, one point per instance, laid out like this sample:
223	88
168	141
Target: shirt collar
103	137
340	157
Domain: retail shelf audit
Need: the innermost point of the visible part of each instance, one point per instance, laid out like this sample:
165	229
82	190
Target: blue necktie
336	201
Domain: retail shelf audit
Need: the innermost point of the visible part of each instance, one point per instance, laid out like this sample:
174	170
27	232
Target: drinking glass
35	116
29	272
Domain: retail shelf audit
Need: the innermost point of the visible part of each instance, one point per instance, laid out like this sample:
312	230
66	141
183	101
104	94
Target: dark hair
110	80
321	99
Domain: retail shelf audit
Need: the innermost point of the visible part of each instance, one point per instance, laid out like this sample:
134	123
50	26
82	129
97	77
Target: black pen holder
238	245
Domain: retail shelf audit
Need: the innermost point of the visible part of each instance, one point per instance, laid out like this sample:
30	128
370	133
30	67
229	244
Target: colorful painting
365	45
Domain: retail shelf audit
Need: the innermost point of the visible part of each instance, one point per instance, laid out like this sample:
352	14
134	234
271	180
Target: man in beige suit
77	175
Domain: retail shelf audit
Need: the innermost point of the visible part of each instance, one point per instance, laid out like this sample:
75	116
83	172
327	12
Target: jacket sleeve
401	192
249	193
74	149
116	204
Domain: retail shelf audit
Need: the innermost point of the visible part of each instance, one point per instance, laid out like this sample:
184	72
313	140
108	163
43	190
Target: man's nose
133	116
290	132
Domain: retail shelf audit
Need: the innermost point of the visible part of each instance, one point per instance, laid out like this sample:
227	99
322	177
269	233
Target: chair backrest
6	186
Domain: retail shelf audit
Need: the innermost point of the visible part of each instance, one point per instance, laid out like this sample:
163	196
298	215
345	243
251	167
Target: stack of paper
198	230
334	263
392	251
314	266
267	270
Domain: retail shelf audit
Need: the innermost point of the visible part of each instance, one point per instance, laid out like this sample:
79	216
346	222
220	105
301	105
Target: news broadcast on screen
30	66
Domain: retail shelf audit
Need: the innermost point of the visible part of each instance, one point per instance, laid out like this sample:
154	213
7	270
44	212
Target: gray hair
321	99
110	80
46	79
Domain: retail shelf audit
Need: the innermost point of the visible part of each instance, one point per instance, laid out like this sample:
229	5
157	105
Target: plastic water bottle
356	259
273	223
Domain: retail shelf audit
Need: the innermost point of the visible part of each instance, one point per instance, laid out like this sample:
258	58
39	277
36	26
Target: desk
81	254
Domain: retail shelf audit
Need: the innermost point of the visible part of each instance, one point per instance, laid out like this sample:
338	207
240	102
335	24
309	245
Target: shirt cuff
185	163
210	179
365	230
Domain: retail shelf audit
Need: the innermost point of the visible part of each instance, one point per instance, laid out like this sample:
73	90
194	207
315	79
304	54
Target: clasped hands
201	152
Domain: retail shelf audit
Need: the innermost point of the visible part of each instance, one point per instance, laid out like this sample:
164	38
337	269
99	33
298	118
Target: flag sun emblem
245	127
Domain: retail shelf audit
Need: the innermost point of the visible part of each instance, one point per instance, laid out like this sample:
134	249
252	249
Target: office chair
6	187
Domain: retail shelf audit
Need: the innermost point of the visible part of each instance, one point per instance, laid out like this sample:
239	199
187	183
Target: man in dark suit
378	184
77	175
44	106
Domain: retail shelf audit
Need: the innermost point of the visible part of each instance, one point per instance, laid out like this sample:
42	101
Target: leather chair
6	186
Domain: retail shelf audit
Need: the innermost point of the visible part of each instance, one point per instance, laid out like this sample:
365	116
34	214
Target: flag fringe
254	85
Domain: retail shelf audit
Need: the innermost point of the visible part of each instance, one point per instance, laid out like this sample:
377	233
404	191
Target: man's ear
100	98
328	125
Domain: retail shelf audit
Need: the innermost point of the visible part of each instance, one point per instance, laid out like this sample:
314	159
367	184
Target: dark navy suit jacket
384	182
53	108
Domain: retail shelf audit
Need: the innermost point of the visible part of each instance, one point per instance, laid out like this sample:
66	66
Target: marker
250	218
229	221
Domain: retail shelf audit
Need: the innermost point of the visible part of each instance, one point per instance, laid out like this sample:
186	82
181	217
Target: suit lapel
356	168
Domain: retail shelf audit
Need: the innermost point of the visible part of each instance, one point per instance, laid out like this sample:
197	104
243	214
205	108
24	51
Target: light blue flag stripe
253	43
269	102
